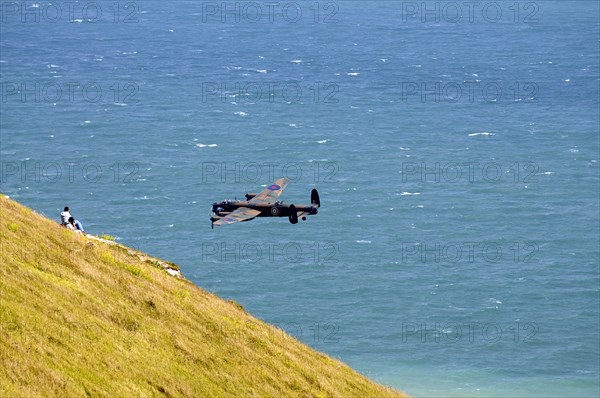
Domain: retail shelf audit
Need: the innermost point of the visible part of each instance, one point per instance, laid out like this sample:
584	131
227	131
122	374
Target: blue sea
454	145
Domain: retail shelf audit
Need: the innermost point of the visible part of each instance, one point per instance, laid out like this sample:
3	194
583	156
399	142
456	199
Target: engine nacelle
250	196
293	215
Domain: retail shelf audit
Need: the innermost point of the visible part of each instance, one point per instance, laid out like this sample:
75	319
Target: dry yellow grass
80	317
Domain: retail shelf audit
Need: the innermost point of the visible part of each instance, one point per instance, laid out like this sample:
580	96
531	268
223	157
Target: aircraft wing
239	214
271	193
302	213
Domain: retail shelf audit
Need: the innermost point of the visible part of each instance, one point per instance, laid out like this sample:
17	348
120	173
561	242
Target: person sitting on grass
79	226
64	217
72	226
65	220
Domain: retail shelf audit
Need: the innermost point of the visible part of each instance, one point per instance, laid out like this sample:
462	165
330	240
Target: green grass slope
82	317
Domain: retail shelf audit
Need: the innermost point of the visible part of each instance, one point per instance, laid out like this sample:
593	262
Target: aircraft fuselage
277	209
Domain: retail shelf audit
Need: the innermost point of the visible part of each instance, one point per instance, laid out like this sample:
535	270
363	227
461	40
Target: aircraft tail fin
314	198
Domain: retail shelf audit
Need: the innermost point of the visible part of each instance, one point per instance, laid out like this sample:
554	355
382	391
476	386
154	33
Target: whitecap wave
485	133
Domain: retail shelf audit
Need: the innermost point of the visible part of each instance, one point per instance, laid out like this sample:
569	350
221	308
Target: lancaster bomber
264	204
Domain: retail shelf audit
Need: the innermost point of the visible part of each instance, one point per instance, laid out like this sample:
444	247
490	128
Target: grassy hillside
82	317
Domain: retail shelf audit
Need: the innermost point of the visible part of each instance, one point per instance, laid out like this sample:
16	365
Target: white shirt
64	217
